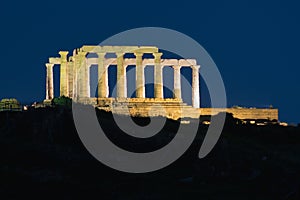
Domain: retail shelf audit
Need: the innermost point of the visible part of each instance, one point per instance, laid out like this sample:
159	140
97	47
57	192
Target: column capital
101	54
138	54
176	67
120	54
63	53
81	53
157	55
195	67
49	65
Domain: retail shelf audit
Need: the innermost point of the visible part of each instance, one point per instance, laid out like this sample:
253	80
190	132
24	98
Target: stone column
158	76
195	86
83	76
177	82
102	76
140	76
49	82
75	76
63	73
70	78
121	76
87	80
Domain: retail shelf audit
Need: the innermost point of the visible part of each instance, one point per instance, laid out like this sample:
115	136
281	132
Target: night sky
255	44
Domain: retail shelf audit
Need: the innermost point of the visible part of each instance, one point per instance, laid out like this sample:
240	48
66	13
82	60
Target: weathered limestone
63	73
75	83
177	82
146	61
121	76
75	76
49	82
75	73
83	76
195	86
102	76
115	49
140	79
70	71
158	76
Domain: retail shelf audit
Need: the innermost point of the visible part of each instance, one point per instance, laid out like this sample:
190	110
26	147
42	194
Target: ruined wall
175	108
244	113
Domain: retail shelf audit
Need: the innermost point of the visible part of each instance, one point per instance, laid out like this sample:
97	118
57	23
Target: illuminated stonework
75	82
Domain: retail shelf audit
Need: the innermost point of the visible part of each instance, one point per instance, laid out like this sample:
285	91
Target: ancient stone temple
75	82
75	79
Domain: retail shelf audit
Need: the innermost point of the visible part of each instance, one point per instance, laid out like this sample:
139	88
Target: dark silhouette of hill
42	157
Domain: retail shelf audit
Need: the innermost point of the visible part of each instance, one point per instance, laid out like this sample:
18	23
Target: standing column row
75	80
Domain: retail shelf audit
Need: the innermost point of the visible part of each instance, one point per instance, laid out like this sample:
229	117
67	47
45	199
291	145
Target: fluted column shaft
76	78
83	76
158	76
140	77
87	80
63	73
121	76
49	82
177	82
102	76
70	79
195	86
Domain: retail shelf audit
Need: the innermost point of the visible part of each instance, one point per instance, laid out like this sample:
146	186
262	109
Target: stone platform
173	108
146	107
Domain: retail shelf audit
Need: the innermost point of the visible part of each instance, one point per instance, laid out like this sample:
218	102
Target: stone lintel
124	49
63	54
187	62
54	60
146	61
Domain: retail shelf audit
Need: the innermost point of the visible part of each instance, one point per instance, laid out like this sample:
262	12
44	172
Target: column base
47	102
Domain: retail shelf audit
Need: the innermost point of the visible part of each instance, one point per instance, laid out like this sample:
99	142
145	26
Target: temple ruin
75	82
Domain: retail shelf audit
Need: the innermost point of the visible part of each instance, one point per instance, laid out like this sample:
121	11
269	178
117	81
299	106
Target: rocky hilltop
42	157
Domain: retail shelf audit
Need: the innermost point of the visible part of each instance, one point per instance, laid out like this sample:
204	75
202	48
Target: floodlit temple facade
75	81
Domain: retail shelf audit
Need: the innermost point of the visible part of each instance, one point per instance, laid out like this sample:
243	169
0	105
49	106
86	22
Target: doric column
70	78
140	76
63	73
158	76
177	82
121	76
76	76
195	86
49	82
87	80
102	76
83	76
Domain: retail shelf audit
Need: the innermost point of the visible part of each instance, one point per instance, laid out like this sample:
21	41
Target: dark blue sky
255	44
